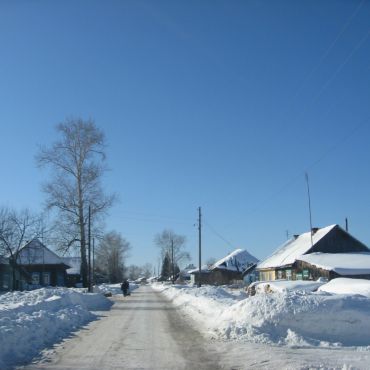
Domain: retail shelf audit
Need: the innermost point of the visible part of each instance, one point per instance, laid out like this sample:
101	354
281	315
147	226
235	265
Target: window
35	278
288	274
46	278
5	282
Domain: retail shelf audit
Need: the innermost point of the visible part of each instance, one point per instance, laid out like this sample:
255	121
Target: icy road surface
142	331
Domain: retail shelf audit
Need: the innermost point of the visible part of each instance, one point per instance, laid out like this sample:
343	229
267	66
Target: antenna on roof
309	205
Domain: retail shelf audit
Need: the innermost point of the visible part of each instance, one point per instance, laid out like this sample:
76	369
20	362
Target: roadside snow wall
31	321
295	318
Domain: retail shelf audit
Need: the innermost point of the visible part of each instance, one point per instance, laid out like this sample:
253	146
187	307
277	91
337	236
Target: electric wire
218	234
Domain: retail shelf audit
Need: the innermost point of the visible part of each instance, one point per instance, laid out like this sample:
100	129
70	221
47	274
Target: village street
142	331
146	331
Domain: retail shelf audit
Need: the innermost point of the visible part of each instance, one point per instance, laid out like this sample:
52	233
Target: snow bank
294	318
347	286
31	321
287	285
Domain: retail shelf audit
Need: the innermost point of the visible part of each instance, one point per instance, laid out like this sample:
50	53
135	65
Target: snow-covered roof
347	286
36	253
293	248
357	263
204	268
238	260
75	263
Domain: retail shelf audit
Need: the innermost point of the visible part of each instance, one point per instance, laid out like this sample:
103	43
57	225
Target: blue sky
219	104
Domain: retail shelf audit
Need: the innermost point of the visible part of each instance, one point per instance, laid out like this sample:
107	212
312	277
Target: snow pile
114	289
347	286
31	321
287	285
295	318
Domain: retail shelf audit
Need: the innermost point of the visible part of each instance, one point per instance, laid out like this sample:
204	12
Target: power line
340	67
328	50
218	234
313	164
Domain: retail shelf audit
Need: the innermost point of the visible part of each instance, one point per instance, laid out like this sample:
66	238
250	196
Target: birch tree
110	256
77	163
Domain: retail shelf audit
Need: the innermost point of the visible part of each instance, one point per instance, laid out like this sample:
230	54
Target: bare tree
110	256
16	229
134	272
77	163
147	270
173	245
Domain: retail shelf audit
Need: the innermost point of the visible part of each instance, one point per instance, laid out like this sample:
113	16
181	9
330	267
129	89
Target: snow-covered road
143	331
148	331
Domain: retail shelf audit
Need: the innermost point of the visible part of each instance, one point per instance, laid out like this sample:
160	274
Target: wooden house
282	264
45	268
227	270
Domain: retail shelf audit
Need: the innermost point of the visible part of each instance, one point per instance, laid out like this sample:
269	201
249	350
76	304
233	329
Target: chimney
295	236
314	230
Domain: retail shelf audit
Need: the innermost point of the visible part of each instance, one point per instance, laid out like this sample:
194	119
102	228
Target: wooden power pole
309	206
89	252
200	246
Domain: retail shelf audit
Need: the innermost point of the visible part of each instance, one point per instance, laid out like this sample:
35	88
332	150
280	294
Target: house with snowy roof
226	270
45	268
291	261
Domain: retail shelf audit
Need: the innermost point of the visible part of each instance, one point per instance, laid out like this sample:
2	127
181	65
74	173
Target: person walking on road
125	287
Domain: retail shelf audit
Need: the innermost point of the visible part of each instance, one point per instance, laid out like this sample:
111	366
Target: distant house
227	270
73	273
184	274
283	263
45	268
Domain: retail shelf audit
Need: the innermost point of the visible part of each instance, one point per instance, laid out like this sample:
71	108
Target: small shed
204	274
73	273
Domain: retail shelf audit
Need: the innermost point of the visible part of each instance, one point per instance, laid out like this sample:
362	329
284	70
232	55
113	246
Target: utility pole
93	261
347	224
89	252
200	246
309	206
173	263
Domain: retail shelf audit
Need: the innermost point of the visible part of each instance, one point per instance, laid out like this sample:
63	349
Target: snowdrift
347	286
294	318
31	321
